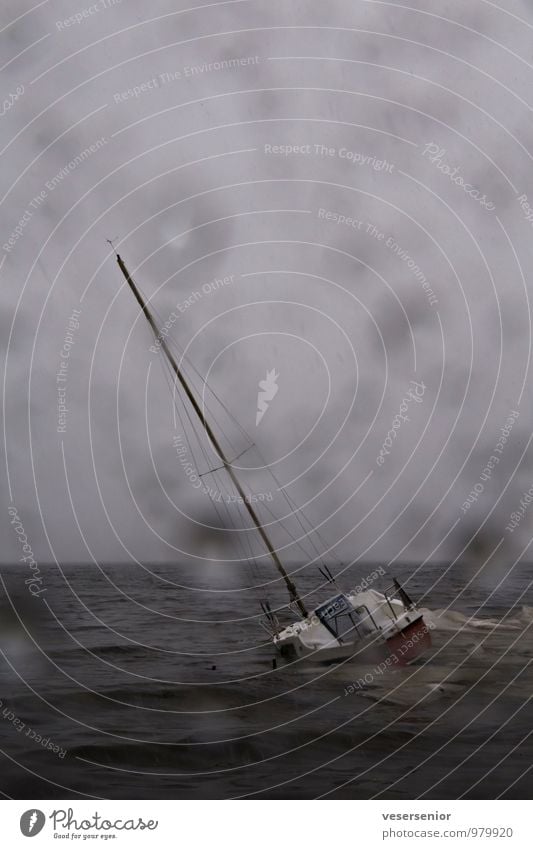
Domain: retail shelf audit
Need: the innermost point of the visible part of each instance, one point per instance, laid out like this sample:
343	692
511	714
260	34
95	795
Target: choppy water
151	689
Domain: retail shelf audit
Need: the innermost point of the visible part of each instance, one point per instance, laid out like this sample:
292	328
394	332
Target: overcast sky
355	177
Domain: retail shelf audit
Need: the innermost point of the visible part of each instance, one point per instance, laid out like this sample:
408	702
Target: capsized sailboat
366	625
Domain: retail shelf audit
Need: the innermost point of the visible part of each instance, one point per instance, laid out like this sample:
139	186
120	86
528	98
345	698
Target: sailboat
362	624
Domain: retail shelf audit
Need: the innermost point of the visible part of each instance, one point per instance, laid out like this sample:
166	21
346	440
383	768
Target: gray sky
356	175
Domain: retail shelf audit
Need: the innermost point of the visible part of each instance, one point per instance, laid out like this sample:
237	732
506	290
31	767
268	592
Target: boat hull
410	642
402	648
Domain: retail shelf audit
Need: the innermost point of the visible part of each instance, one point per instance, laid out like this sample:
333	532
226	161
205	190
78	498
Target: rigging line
243	539
204	382
212	496
326	546
208	407
184	358
231	462
297	542
290	534
177	399
249	560
246	545
298	512
172	343
245	535
240	540
317	550
210	411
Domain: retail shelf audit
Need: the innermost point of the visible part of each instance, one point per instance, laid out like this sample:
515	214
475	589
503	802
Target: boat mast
214	441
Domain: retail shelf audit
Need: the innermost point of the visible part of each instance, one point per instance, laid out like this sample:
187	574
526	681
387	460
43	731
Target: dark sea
129	682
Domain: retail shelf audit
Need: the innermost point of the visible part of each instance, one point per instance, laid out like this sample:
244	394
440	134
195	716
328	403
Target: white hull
375	628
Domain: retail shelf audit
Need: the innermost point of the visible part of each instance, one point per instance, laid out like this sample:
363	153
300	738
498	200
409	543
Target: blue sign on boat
333	607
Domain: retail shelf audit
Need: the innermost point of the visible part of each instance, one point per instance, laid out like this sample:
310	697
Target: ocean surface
155	682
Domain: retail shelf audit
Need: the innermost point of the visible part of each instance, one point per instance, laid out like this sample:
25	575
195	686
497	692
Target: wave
451	620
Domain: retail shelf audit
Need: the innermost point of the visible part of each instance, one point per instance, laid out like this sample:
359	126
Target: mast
214	441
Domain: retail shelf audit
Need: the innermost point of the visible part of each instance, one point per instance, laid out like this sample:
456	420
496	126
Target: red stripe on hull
409	642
